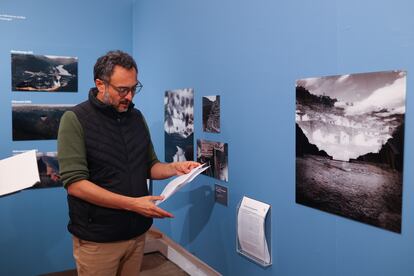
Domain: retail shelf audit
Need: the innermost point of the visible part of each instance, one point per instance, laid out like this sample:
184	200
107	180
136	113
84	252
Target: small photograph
44	73
216	155
211	114
179	125
36	121
350	146
48	166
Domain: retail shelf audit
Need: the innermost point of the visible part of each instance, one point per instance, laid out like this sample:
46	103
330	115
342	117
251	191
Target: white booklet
18	172
180	181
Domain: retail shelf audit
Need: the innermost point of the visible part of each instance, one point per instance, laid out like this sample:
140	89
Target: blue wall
33	235
251	53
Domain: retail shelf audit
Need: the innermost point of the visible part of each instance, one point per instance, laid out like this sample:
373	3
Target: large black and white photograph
36	121
44	73
48	166
215	154
179	125
211	114
350	146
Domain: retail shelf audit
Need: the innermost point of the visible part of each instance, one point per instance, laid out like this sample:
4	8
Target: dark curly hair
104	66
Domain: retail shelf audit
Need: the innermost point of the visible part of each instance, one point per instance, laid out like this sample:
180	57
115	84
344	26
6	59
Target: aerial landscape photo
44	73
36	121
48	166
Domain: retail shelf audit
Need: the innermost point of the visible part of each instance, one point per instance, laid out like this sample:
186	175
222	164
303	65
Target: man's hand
146	207
166	170
95	194
184	167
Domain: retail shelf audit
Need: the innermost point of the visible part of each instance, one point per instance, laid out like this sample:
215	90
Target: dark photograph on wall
179	125
36	73
48	166
214	154
36	121
350	146
211	114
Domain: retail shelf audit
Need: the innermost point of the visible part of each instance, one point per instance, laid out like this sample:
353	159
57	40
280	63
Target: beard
124	102
106	98
121	106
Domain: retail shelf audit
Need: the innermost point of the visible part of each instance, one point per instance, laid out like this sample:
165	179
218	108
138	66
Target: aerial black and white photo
350	146
36	121
211	114
214	154
34	73
179	125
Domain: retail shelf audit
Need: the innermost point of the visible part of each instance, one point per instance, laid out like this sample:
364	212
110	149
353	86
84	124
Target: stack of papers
180	181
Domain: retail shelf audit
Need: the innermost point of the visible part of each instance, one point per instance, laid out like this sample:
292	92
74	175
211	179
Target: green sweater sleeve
73	165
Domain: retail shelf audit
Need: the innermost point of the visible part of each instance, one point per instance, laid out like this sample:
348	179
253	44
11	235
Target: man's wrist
128	203
172	168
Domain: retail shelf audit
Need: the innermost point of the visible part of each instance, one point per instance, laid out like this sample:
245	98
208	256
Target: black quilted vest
117	152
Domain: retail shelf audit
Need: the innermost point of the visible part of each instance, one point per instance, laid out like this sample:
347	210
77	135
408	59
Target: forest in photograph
36	122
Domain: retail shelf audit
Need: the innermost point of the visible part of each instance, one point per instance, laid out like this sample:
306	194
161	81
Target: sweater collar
106	108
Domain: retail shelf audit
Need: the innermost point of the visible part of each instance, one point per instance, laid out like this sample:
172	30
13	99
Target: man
105	156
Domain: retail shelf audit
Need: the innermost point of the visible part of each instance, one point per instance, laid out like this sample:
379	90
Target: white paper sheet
251	228
18	172
177	183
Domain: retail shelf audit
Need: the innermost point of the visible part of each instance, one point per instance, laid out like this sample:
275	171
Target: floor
153	264
156	264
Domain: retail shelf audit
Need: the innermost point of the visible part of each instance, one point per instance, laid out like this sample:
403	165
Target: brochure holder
253	226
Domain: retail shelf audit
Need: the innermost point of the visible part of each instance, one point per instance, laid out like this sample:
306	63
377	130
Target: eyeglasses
123	91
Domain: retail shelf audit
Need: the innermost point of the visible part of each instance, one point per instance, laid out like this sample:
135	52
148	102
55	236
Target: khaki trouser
121	258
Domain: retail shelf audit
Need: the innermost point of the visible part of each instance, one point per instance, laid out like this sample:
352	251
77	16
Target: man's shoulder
81	105
136	114
82	109
137	111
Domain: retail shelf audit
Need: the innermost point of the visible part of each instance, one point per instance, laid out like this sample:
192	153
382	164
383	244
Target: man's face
121	80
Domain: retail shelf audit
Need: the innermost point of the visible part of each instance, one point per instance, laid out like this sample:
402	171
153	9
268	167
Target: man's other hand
145	206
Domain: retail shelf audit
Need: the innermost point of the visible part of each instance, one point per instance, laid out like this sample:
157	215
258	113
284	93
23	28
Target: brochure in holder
254	231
